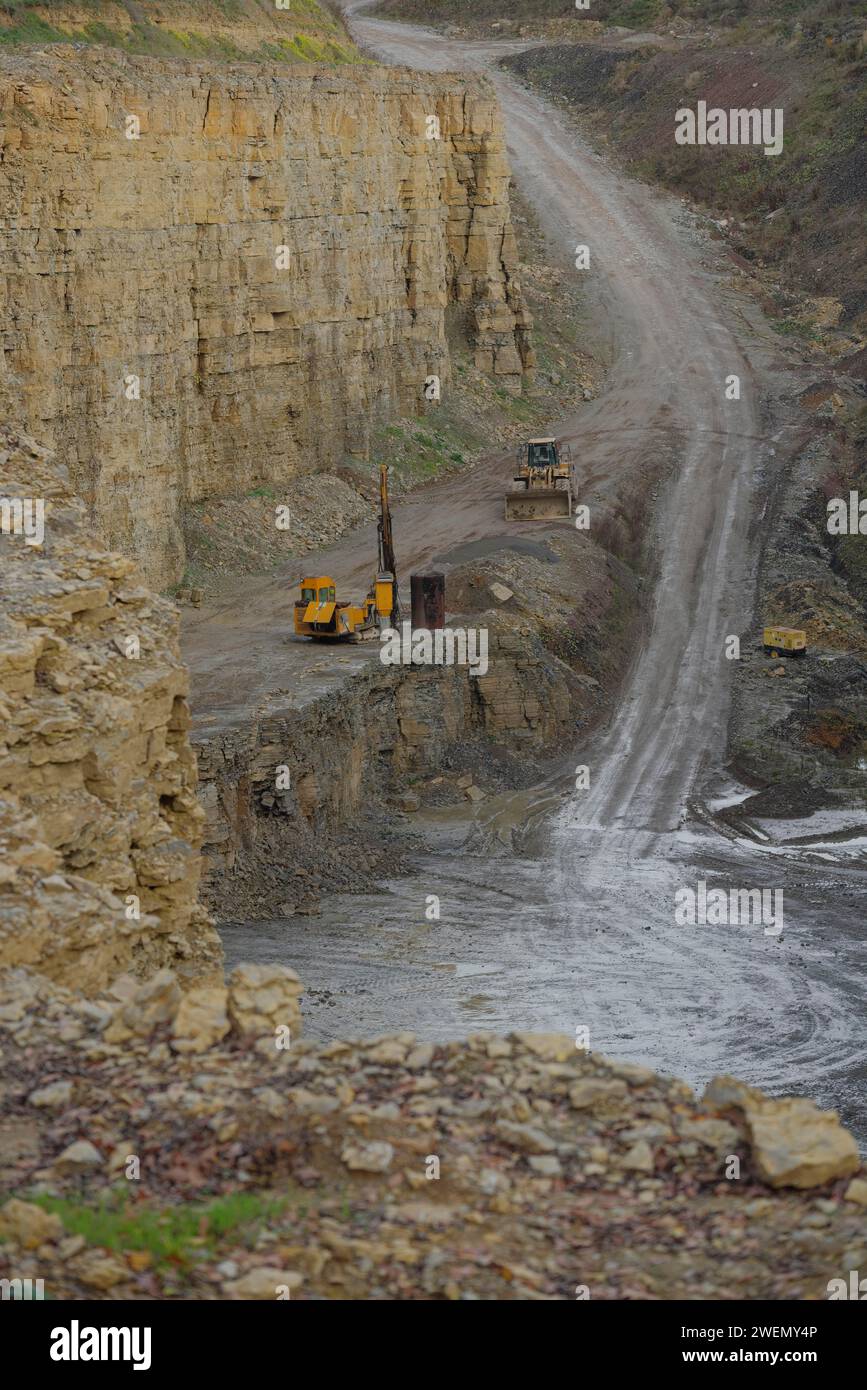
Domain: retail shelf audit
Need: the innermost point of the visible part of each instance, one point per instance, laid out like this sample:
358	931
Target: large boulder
793	1142
264	999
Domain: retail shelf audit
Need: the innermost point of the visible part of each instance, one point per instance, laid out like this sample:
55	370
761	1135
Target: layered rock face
217	279
99	823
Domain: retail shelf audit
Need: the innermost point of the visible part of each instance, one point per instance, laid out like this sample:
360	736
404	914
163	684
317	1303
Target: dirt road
578	927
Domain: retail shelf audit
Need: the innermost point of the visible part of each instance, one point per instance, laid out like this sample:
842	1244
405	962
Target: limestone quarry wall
99	823
153	329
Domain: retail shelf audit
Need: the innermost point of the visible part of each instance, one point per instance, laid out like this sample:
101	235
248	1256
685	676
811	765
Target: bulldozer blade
536	505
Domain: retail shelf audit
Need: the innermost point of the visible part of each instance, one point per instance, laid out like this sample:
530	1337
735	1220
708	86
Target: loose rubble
495	1168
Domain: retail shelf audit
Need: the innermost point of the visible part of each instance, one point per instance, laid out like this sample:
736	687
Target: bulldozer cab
542	453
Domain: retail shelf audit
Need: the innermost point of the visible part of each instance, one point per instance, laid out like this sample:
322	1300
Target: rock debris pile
493	1168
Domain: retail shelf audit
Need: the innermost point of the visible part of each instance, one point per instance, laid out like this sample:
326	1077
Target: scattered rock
78	1158
263	999
99	1270
152	1004
718	1135
307	1103
28	1226
551	1047
51	1097
388	1053
793	1142
630	1072
547	1164
534	1136
639	1159
590	1093
264	1282
374	1157
201	1020
526	1137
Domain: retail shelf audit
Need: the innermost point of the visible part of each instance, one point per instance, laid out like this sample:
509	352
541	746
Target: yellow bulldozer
542	485
319	613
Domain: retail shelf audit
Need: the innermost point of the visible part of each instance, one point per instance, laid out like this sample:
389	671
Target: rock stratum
99	820
217	278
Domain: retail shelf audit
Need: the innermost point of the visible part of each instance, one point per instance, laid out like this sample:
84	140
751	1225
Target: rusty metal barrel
428	600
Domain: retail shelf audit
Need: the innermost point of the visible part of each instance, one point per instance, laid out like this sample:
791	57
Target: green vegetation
172	1235
26	27
813	18
313	33
800	211
422	455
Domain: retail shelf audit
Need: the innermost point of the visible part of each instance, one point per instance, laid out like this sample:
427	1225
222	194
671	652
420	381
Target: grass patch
172	1236
31	29
796	328
313	34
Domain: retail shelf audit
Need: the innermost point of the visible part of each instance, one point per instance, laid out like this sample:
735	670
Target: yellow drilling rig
319	613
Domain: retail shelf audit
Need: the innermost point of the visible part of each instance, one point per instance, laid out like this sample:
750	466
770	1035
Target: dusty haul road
558	911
